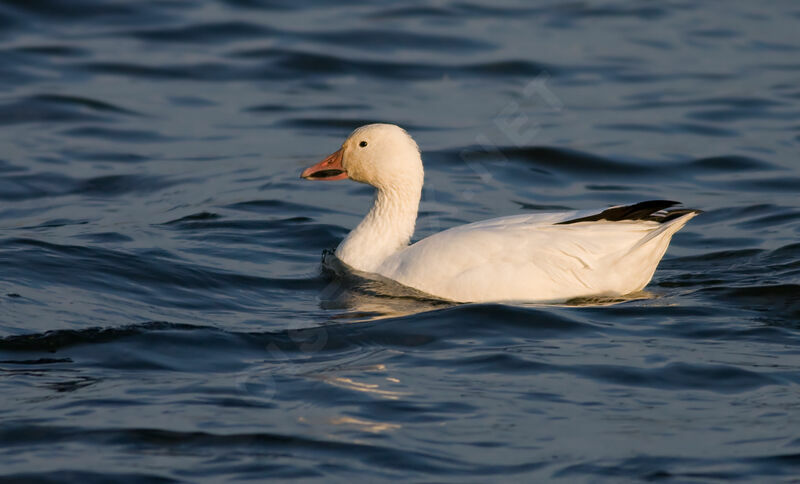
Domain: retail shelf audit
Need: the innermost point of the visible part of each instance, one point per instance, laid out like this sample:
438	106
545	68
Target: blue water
164	316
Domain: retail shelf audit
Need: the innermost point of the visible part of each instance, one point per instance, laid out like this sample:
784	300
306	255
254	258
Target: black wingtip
639	211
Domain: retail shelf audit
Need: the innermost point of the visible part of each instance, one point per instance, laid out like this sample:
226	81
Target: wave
49	185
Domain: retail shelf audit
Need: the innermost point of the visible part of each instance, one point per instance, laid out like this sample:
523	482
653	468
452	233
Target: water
162	309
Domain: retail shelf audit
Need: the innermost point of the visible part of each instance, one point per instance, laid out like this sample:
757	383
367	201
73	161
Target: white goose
548	257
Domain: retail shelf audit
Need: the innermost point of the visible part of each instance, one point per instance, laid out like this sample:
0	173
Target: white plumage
549	257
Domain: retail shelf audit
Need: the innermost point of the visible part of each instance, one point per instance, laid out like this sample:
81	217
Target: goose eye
362	144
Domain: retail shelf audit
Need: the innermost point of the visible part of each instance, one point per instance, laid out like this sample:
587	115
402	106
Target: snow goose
543	257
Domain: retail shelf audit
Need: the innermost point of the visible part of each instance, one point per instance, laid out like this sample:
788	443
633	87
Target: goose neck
386	229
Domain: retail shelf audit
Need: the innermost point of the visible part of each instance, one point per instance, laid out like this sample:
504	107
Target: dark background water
162	310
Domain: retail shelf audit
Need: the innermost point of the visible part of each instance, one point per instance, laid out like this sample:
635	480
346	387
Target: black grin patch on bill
325	173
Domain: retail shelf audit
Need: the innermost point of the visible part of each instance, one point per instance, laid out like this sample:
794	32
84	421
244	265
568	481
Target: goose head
381	155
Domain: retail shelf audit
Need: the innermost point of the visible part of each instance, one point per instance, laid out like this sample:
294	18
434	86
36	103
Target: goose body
548	257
